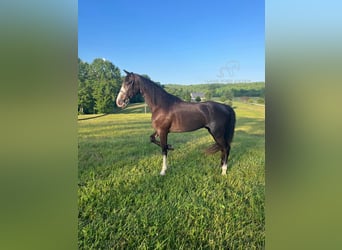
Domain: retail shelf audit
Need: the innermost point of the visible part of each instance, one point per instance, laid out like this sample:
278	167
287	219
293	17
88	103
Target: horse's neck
154	97
150	97
149	101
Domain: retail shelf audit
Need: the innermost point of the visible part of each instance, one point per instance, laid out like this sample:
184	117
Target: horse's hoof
162	173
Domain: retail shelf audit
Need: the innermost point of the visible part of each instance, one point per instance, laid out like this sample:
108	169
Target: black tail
213	149
231	127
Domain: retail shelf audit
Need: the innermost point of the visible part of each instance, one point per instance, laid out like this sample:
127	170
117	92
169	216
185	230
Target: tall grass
125	204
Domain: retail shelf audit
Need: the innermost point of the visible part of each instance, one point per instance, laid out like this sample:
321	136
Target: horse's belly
186	125
187	129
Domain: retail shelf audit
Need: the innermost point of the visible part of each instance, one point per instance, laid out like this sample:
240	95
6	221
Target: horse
171	114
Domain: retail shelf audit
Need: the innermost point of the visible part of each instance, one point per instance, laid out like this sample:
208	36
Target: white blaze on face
121	99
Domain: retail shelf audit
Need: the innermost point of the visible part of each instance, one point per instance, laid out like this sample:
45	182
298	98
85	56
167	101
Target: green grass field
125	204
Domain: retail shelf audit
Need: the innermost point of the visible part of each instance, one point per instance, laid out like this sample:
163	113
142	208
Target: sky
179	42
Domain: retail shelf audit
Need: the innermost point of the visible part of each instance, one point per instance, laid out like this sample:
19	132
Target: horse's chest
161	121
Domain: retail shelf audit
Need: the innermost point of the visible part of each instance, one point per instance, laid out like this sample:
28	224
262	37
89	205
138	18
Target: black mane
154	94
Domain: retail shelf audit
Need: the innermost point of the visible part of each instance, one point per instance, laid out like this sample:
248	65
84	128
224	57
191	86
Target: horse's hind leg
224	159
224	146
225	149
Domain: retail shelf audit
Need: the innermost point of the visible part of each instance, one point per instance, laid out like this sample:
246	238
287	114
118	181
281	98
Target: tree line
100	81
217	90
98	85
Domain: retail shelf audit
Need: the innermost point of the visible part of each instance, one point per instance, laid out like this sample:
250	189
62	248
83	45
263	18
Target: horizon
186	84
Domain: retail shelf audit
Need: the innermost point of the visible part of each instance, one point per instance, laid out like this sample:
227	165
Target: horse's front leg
164	146
154	140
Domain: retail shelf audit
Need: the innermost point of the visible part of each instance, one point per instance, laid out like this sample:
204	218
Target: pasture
125	204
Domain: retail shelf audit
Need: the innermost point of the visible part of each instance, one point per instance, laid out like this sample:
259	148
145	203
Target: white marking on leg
164	166
224	169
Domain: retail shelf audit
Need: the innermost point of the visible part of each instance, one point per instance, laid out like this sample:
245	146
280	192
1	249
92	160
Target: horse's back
218	109
204	111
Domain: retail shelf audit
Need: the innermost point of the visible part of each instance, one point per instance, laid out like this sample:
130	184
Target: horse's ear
126	72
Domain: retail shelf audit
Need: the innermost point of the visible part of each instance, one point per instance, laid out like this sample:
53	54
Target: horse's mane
154	94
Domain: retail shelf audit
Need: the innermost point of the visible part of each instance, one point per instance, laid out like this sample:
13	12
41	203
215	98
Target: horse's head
129	88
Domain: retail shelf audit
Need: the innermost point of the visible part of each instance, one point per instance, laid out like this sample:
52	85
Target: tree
187	96
86	99
83	70
98	84
198	99
228	94
223	98
106	80
101	69
208	95
105	94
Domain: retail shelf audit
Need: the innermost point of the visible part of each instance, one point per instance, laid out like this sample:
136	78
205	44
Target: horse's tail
213	149
229	134
231	126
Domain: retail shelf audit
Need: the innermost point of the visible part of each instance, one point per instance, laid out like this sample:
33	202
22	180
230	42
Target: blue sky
183	42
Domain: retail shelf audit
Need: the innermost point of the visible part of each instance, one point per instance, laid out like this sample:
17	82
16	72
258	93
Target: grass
125	204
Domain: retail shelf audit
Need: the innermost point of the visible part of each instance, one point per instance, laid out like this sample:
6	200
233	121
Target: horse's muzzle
122	102
122	99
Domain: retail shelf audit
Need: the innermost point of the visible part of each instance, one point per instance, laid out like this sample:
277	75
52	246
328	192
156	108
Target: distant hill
254	89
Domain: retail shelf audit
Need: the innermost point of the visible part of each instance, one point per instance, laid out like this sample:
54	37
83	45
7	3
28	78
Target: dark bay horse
171	114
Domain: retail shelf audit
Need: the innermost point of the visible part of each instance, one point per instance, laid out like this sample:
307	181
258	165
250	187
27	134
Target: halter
125	91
